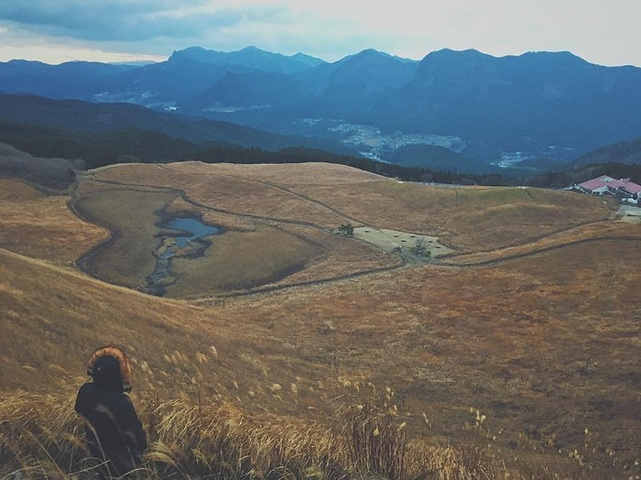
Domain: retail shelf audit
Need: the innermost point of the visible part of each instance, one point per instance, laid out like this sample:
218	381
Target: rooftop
612	183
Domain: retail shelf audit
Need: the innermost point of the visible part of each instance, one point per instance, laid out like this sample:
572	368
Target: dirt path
81	263
391	241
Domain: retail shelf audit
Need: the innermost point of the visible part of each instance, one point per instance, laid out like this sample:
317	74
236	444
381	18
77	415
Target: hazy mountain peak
372	52
311	61
192	50
21	62
196	53
549	104
566	54
372	56
253	48
362	74
364	55
563	57
448	54
251	57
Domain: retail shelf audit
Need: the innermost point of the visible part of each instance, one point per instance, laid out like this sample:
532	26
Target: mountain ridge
249	56
551	105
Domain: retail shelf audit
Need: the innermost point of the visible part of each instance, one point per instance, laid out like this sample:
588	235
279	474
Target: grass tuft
40	437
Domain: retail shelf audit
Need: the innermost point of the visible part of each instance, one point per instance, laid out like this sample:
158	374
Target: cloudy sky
603	32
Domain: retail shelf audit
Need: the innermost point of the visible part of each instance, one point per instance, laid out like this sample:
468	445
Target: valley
372	143
490	113
295	221
529	317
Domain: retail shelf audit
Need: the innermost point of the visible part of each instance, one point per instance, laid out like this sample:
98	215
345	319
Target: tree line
131	145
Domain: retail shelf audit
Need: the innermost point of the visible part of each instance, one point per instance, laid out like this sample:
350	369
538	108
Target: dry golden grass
214	186
131	216
53	232
583	233
241	260
286	175
341	257
467	219
257	249
50	315
545	345
312	200
42	438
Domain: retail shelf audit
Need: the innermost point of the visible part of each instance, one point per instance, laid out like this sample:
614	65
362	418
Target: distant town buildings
623	188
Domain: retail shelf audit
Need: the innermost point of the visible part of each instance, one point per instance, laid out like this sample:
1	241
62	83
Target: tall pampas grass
41	437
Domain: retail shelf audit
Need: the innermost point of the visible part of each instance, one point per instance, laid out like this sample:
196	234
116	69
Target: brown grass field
41	226
518	356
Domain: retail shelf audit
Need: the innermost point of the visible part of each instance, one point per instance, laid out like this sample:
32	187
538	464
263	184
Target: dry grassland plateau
286	350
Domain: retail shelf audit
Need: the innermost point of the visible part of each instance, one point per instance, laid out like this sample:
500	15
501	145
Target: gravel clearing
389	240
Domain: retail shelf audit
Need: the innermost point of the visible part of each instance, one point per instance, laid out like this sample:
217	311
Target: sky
55	31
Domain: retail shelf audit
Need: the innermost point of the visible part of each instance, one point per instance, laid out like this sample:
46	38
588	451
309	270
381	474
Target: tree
420	249
346	229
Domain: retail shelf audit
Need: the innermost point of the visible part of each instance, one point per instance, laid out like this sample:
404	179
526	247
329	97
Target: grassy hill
620	160
517	356
627	153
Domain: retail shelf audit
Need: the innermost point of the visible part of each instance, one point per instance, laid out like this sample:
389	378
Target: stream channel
180	236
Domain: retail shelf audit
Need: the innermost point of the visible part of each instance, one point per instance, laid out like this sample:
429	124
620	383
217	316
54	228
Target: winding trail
114	235
314	201
534	252
530	247
187	199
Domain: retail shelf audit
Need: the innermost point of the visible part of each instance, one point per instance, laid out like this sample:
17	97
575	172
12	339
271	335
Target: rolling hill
107	117
627	153
519	350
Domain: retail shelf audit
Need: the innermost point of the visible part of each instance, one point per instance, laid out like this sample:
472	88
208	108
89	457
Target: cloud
160	26
331	29
126	20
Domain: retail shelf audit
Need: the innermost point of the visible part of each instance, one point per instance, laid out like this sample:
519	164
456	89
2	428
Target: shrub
346	229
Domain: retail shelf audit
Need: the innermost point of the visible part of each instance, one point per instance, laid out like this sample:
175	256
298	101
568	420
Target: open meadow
283	349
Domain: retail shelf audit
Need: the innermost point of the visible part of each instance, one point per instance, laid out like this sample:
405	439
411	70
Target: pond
180	236
190	229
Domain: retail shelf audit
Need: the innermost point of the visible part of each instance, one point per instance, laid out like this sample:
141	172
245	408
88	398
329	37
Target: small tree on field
346	229
420	249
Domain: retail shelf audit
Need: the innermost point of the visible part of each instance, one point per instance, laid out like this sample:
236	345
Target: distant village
624	189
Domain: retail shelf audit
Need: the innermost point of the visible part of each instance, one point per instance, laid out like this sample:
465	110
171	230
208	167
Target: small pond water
191	229
180	236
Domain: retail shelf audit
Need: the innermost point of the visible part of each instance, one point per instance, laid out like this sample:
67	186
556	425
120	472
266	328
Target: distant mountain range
483	109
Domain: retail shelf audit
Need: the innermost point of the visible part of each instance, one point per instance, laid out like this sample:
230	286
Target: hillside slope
544	344
108	117
627	152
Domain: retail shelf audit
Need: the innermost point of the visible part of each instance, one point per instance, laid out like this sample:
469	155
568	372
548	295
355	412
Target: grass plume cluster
41	437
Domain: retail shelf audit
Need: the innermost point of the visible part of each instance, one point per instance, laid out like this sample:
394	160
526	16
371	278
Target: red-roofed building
605	185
